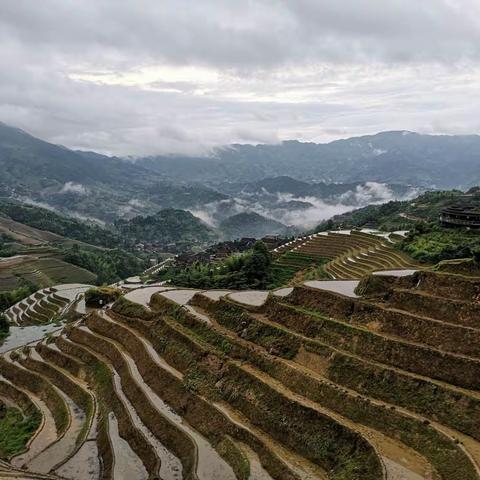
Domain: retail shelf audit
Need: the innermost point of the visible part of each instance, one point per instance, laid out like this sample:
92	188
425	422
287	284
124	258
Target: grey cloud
246	34
79	73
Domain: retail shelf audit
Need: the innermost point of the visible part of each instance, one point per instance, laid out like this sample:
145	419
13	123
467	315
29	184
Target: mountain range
430	161
289	184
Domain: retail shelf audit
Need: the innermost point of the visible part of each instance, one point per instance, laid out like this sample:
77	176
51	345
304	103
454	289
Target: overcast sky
142	77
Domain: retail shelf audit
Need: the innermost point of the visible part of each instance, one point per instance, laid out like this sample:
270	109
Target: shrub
96	297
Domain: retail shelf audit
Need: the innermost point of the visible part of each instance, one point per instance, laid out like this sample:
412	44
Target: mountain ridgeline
276	181
391	157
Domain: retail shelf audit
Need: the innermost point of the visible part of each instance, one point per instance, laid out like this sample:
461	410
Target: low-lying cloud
276	206
73	187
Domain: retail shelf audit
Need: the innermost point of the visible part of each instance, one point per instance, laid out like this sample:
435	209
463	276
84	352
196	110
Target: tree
257	266
476	255
4	326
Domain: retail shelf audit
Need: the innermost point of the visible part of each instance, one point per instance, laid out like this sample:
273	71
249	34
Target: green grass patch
433	243
16	430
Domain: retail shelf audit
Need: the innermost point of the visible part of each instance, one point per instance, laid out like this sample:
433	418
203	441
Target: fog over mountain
105	189
131	109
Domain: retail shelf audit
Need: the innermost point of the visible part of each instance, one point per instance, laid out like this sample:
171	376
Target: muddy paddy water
395	273
143	295
283	292
182	297
127	465
344	287
171	467
255	298
215	294
20	336
84	465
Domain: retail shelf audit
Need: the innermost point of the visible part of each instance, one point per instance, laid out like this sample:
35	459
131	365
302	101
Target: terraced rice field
43	270
44	305
42	313
351	254
310	382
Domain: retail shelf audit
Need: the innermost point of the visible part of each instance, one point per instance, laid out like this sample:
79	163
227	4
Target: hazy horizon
210	152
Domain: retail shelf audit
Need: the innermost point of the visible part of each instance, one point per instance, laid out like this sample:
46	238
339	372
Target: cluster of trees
6	248
109	265
431	243
97	297
10	297
166	226
247	270
4	326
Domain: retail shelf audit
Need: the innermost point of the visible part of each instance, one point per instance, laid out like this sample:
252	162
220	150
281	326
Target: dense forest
166	226
109	265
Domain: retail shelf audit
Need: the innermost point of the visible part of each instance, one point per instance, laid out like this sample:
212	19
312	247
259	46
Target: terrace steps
117	415
383	444
208	387
450	434
265	442
209	462
182	332
350	255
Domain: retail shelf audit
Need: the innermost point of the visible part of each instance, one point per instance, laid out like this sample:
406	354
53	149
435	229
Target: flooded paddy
171	467
210	465
143	295
283	292
71	291
127	465
65	446
215	294
84	465
255	298
135	390
20	336
396	273
344	287
182	297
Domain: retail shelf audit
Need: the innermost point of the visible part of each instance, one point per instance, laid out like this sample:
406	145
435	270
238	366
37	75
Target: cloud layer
182	76
281	206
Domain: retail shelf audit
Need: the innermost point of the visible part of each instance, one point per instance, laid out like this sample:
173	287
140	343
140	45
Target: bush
4	325
97	297
11	297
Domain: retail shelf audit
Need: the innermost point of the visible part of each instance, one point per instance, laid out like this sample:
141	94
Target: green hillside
398	215
251	224
427	241
51	221
166	227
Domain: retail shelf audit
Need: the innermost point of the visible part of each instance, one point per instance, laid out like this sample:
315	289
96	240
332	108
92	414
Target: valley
239	240
208	337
